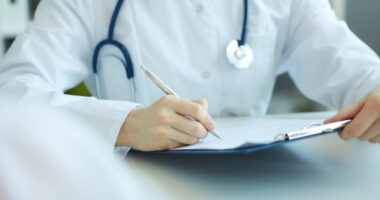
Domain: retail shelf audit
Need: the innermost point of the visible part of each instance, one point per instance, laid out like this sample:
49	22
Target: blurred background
362	16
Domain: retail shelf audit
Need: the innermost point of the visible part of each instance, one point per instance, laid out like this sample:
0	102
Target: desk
319	168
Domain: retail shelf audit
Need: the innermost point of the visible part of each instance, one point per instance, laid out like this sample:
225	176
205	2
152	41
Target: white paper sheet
258	131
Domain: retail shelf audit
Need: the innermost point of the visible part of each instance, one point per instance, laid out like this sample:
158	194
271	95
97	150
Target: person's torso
184	43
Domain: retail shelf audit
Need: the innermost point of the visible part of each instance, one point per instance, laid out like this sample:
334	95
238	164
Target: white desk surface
325	167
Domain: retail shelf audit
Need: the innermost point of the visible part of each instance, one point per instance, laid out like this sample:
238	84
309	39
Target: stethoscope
238	52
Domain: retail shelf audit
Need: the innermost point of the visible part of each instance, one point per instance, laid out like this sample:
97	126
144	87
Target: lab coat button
206	74
199	8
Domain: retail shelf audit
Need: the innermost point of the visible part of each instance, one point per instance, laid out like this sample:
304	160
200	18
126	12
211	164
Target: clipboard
308	132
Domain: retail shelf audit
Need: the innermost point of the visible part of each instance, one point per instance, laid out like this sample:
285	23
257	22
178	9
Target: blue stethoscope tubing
127	62
243	38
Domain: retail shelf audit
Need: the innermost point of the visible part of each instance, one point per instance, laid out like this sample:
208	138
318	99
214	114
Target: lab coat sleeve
53	55
328	63
41	160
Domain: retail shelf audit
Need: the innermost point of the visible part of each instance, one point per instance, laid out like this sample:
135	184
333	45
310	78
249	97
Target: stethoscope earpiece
241	56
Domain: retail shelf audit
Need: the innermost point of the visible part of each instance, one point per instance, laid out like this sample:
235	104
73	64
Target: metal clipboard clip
314	129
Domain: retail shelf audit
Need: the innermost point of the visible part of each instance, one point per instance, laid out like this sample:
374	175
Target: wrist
124	138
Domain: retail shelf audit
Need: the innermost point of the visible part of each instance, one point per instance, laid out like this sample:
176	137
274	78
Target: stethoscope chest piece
241	56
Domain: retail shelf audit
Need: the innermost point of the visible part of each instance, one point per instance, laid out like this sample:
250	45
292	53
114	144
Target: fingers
201	102
347	113
170	138
372	131
366	122
361	122
195	110
375	139
189	127
340	134
180	137
163	125
171	144
164	144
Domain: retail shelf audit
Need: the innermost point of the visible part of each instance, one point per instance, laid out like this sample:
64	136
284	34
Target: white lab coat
63	157
184	43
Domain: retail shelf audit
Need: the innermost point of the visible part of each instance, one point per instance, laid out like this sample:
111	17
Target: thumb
348	112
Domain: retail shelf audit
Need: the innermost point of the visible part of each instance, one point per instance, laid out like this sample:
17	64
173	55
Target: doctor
228	52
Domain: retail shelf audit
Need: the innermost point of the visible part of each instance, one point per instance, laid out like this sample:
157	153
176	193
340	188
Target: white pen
168	91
